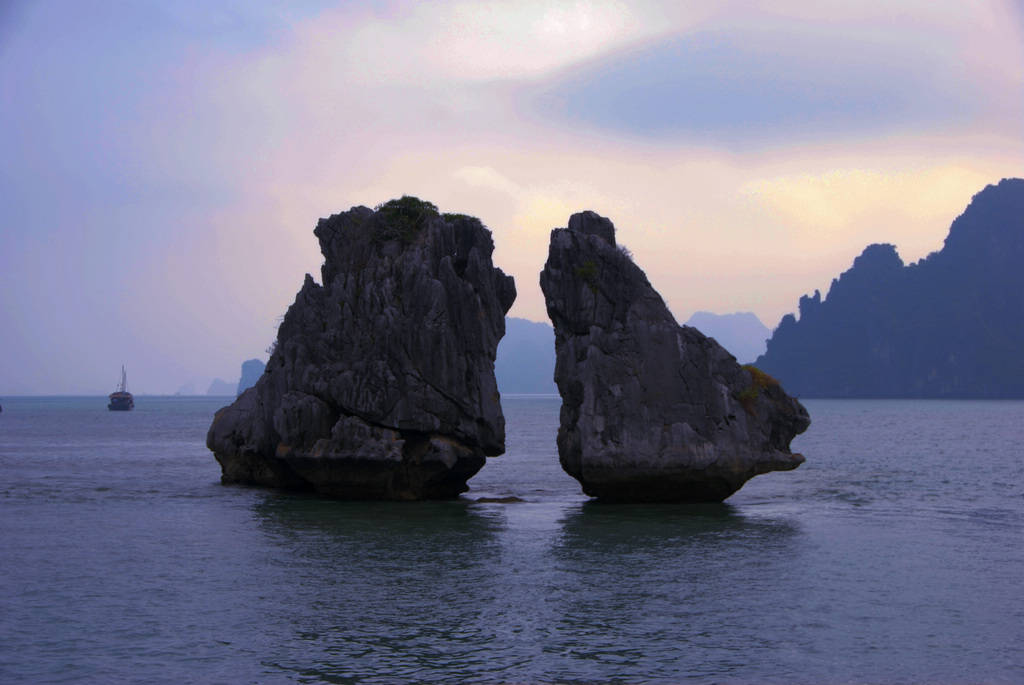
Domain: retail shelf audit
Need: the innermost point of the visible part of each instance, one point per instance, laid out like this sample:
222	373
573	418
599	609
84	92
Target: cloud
486	177
748	87
476	41
518	39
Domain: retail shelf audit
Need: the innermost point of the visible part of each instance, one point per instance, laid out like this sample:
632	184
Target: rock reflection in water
668	591
380	590
528	591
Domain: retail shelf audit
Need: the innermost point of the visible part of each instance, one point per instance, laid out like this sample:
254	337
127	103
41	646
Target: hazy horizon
164	165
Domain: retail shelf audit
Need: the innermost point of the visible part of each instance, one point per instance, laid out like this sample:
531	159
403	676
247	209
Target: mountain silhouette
949	326
526	358
741	333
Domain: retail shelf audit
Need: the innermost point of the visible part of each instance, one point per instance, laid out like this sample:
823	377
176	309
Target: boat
121	399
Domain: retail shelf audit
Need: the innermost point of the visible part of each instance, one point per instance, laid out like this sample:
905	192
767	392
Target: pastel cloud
466	41
491	40
748	86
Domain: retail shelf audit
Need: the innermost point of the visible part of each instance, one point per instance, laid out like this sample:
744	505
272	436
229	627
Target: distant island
949	326
251	372
221	388
526	358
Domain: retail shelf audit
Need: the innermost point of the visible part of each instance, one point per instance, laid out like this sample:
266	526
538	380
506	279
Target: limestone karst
651	410
381	382
948	326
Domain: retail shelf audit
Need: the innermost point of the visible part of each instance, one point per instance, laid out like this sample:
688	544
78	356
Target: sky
163	165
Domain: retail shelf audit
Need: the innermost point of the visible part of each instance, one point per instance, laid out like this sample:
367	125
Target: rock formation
251	372
381	383
220	387
651	410
948	326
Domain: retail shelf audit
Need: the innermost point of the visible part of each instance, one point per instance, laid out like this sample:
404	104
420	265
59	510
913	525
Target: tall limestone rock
948	326
381	383
651	410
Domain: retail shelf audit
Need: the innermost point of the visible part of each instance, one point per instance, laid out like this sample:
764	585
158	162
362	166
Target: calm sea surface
895	554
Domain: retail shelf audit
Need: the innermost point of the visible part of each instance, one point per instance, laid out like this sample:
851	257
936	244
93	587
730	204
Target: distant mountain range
526	355
526	358
949	326
741	333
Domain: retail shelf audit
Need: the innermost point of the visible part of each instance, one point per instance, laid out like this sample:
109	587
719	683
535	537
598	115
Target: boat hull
119	402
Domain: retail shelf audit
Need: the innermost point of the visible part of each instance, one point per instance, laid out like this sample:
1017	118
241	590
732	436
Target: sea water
895	554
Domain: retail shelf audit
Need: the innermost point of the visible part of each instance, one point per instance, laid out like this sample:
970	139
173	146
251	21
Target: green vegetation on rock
759	381
403	218
588	274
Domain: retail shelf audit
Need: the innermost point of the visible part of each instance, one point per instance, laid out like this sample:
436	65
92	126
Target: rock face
651	411
381	383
